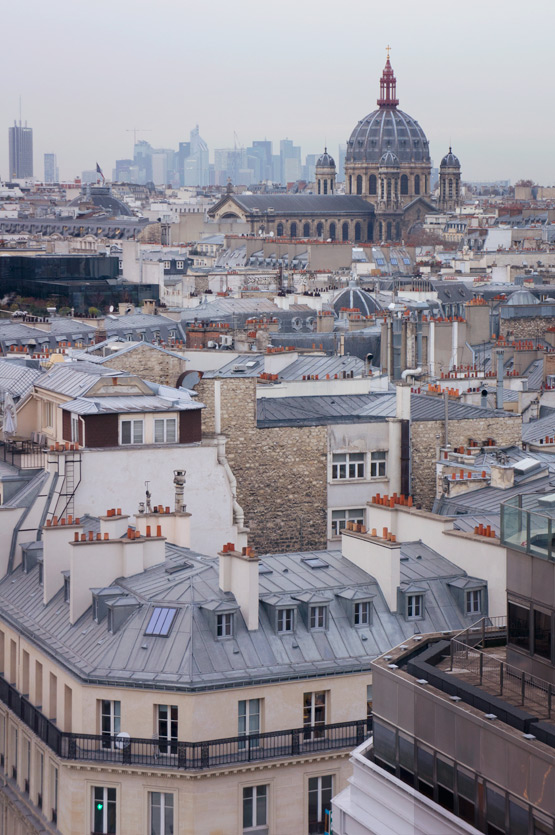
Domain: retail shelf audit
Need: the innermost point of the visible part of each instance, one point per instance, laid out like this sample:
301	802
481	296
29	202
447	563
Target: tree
525	184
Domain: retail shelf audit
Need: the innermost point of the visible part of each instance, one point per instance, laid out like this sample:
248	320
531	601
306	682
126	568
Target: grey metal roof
73	378
537	430
17	379
129	347
180	402
252	365
303	204
190	657
387	129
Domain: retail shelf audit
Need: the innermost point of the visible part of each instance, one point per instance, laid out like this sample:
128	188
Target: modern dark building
21	151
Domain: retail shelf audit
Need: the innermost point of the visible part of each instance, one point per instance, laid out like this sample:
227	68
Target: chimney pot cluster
228	546
391	501
247	552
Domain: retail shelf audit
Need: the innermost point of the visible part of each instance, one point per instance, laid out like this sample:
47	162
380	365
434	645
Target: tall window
224	625
167	727
104	811
132	432
347	465
75	429
318	617
320	790
27	765
306	230
404	184
285	620
345	231
314	714
255	808
293	230
325	186
48	413
358	231
542	634
161	813
417	183
54	792
319	230
248	714
333	231
40	778
415	608
518	626
279	230
362	613
110	721
339	519
473	602
359	184
378	461
165	431
372	184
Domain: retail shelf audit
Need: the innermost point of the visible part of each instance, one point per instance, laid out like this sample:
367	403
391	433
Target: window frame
165	827
316	786
165	421
318	617
415	600
109	720
109	799
287	615
132	423
167	728
473	601
261	789
249	722
357	611
377	463
352	468
339	524
224	625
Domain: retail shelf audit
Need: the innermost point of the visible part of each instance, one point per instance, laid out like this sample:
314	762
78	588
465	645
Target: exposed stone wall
280	472
526	328
427	436
153	365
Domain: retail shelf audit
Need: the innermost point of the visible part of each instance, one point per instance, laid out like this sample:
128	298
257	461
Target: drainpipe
432	349
397	340
446	415
454	341
238	514
500	356
419	339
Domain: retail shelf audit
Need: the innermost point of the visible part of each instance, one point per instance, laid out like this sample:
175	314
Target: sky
477	75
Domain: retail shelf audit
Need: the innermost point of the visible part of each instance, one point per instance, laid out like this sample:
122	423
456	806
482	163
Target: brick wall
525	328
147	362
425	443
280	472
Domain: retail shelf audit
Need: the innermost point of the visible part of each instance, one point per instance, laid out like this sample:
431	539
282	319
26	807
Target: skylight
160	622
315	562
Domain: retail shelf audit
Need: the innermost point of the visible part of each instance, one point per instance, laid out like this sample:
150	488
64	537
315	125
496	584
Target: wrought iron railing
24	455
164	753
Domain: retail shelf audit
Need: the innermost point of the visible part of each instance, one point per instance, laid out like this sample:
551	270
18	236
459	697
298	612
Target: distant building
196	165
51	171
21	151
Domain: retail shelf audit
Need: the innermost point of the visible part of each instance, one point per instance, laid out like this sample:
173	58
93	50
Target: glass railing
527	525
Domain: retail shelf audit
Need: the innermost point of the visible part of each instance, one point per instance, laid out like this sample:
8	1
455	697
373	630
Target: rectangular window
249	720
15	746
48	413
224	625
314	714
339	519
161	813
27	766
285	620
179	265
320	791
104	811
2	741
167	728
414	606
40	779
318	617
132	432
165	431
378	464
255	808
518	625
474	602
110	721
348	465
167	265
542	634
54	792
75	429
362	613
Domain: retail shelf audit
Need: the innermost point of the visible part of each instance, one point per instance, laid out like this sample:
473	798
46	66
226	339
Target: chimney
402	401
500	356
239	575
179	481
56	554
114	523
379	557
502	476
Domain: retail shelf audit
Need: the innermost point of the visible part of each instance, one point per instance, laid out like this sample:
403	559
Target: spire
388	86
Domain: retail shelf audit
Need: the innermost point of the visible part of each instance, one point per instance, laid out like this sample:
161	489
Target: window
110	721
320	790
372	184
347	465
314	714
473	602
75	429
339	519
104	811
165	431
519	626
224	625
132	432
318	617
255	808
542	634
378	464
160	622
48	413
362	613
15	744
415	609
40	779
161	813
27	766
167	265
369	702
167	727
249	720
54	792
179	265
285	620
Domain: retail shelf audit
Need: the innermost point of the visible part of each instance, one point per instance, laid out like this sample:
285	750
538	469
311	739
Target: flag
99	171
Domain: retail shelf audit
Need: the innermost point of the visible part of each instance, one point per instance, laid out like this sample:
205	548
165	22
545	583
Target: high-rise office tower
196	168
21	151
51	171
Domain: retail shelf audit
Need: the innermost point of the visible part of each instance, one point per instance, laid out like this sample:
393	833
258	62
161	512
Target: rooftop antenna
148	497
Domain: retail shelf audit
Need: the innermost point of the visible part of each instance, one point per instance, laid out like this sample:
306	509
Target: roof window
315	562
160	622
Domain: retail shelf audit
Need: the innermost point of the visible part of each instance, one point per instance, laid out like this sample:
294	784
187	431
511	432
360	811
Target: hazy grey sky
478	74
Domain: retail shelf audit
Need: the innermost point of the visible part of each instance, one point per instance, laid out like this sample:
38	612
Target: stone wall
149	363
281	472
526	328
428	435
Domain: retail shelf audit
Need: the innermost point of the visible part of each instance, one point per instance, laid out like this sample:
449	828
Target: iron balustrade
214	753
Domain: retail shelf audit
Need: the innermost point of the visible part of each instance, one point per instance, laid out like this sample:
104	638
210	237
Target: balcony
527	524
188	756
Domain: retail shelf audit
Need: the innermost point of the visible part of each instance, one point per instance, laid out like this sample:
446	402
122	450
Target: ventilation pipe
500	356
397	340
419	339
179	482
411	372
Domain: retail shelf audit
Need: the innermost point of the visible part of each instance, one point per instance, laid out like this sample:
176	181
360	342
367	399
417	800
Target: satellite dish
111	308
123	740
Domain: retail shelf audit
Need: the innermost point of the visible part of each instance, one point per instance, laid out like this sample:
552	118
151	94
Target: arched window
359	184
319	186
425	184
325	186
417	183
350	184
382	188
293	230
345	231
358	232
370	233
388	232
333	232
381	231
389	188
306	230
372	184
331	186
397	231
450	187
279	230
457	191
319	230
404	184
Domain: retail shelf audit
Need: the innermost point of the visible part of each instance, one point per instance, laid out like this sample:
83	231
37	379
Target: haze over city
89	73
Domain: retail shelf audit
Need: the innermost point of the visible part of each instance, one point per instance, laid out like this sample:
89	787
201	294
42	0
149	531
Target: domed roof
450	160
326	160
388	129
389	160
103	199
353	296
522	297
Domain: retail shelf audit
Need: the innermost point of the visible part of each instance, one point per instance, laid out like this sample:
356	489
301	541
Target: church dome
450	161
326	160
354	297
388	129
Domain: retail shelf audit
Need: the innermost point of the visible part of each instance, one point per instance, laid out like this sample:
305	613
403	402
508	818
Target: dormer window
362	613
224	625
473	602
285	620
318	617
415	606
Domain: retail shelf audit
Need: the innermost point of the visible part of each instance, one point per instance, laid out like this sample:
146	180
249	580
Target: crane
134	131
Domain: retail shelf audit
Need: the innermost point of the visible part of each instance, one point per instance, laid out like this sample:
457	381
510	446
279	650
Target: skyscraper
21	151
51	172
196	168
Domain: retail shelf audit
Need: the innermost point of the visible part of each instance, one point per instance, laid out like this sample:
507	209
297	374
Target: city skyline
235	72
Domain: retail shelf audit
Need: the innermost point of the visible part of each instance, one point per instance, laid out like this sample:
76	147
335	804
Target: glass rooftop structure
528	524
